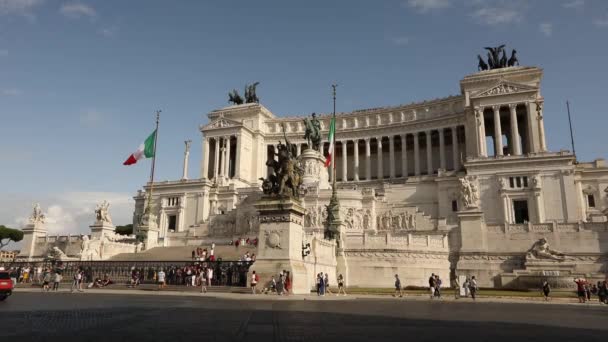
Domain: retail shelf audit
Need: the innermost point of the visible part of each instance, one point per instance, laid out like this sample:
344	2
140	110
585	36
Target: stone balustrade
410	241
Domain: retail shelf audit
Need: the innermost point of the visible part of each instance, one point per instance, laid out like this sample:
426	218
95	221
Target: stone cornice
491	75
407	127
556	159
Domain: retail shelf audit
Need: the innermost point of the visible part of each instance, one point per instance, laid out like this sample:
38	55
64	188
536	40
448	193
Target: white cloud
496	15
400	41
10	92
77	10
574	4
601	22
21	7
66	213
3	53
546	29
428	5
108	31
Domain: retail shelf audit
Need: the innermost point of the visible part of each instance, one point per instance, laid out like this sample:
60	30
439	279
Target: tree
124	230
9	234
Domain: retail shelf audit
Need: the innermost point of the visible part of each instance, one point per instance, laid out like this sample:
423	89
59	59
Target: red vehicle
6	285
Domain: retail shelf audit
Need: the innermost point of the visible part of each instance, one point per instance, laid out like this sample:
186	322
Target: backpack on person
257	278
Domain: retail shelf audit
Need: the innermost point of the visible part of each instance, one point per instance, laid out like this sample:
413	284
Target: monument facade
461	185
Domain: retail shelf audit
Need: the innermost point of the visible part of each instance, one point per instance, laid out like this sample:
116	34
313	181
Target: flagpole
571	133
333	153
153	161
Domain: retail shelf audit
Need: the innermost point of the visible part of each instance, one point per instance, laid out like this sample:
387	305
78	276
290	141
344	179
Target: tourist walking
432	285
456	286
466	286
287	282
209	276
56	280
602	292
46	280
398	290
326	283
203	281
341	285
321	284
254	282
77	281
473	287
161	279
437	286
546	289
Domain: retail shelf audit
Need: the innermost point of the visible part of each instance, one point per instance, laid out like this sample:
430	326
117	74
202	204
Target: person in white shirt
209	276
161	279
254	282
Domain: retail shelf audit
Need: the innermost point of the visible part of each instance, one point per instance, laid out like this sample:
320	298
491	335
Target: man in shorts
398	286
161	279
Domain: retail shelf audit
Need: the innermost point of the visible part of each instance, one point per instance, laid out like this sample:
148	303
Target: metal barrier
225	273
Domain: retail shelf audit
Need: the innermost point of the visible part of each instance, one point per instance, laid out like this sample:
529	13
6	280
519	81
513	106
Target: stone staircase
184	253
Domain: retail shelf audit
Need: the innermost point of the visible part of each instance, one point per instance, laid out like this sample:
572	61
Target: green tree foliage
124	230
9	234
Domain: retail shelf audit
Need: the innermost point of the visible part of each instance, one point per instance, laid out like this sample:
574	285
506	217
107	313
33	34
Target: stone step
184	253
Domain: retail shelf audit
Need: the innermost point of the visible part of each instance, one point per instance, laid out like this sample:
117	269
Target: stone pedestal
315	173
559	274
101	228
473	236
280	242
149	227
473	246
31	232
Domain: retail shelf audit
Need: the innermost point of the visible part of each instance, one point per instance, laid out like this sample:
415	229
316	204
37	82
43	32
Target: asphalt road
92	317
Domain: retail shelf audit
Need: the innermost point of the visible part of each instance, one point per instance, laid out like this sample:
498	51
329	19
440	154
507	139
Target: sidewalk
312	297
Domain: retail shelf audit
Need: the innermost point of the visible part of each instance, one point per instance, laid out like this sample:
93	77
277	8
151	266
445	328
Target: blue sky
80	80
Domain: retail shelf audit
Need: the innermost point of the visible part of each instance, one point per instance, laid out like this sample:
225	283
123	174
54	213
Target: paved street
118	317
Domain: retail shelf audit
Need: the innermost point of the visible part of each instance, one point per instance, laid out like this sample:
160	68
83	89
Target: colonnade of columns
222	165
519	139
396	156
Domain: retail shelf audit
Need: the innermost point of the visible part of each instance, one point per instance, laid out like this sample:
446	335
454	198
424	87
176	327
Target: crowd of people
585	291
280	284
201	254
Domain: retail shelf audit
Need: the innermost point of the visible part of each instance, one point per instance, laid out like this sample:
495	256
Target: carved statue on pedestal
313	132
469	192
37	215
102	213
287	175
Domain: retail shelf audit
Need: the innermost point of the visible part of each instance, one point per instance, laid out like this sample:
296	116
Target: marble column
237	158
497	132
441	149
416	155
541	126
356	160
344	144
429	154
205	166
483	150
380	170
216	162
391	149
368	159
223	158
403	156
455	156
515	141
186	157
227	167
299	149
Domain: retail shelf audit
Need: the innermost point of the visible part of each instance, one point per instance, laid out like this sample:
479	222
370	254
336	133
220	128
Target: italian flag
145	150
330	137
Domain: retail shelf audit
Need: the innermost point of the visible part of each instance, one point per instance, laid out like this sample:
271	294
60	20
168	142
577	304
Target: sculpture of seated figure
540	250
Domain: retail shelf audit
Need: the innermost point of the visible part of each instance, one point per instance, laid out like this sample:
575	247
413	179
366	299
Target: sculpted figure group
287	175
496	60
